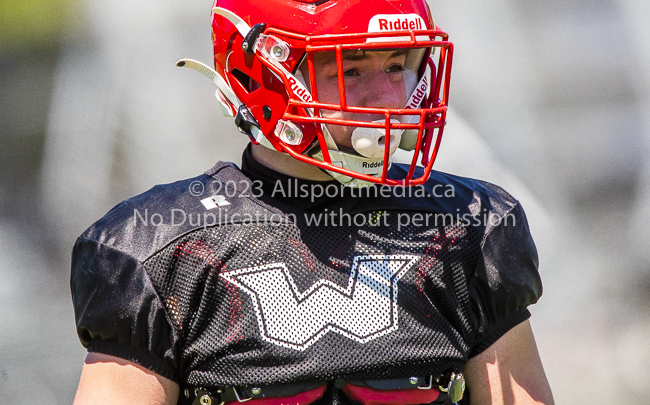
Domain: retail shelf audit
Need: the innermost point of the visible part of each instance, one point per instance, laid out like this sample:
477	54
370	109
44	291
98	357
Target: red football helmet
265	69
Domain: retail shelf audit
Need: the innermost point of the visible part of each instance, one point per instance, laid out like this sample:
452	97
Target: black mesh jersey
222	281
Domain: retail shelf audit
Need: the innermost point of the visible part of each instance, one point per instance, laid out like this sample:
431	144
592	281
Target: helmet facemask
354	124
359	91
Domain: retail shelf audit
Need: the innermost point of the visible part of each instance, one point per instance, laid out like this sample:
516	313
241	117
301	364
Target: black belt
204	396
453	384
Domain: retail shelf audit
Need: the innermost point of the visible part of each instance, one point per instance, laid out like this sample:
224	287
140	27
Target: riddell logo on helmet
299	90
405	24
396	22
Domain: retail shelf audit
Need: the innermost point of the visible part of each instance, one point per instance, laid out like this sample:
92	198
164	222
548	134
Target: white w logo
362	311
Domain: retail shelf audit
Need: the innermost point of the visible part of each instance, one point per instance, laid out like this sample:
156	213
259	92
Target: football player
319	272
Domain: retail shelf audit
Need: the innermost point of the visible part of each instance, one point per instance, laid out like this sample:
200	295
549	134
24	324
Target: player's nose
381	93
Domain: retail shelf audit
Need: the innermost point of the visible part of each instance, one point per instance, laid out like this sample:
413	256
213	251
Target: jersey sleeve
506	279
117	310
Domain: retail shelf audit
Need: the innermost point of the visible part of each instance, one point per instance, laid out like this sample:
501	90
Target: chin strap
371	167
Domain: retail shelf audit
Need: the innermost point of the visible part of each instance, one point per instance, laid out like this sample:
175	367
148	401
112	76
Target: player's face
372	79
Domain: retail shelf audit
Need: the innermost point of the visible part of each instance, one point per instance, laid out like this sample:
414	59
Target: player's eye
351	73
395	68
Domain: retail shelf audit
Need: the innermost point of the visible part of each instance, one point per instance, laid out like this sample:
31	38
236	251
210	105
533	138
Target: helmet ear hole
248	83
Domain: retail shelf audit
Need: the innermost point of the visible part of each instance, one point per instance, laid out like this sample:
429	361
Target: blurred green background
33	26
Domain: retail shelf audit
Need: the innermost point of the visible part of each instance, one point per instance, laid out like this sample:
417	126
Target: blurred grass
30	25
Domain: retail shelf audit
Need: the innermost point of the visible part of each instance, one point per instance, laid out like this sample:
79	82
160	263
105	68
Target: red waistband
362	395
371	396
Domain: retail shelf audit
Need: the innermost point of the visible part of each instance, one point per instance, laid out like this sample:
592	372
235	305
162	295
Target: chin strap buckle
248	45
245	121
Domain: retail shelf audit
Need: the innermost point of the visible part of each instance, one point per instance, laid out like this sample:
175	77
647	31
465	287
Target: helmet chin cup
360	164
409	140
409	137
351	182
370	142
